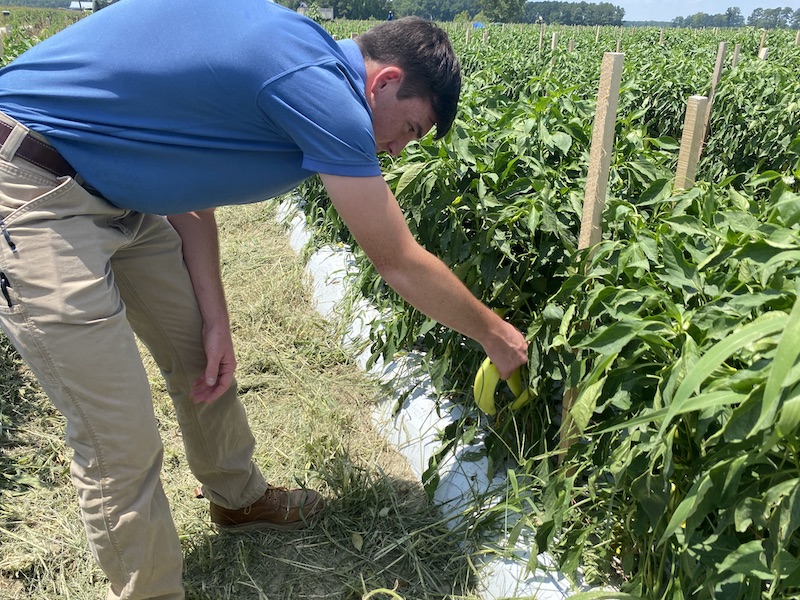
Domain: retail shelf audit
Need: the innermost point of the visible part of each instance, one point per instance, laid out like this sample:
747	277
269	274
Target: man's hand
198	230
510	350
220	366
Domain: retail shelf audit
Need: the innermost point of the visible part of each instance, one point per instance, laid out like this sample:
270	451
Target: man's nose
396	147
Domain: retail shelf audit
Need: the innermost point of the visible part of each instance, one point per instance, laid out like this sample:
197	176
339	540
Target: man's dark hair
431	68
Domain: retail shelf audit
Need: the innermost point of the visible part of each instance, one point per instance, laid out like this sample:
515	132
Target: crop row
670	489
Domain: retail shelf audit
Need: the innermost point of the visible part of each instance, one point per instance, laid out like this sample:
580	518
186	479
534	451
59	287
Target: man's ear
387	78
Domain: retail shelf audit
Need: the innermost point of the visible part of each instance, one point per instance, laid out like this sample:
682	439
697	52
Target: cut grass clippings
310	408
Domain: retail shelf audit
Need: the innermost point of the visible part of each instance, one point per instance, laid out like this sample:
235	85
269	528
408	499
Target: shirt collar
355	59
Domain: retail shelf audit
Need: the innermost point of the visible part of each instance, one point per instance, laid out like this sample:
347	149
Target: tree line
490	11
574	13
562	13
761	18
37	3
513	11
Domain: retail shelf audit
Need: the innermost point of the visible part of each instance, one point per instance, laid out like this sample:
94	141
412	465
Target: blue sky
666	10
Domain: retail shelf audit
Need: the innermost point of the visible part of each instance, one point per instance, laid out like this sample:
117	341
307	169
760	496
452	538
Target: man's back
197	97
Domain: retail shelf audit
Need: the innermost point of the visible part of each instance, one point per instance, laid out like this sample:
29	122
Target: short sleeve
320	109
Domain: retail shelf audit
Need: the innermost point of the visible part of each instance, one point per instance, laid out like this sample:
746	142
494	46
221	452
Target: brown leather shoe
279	508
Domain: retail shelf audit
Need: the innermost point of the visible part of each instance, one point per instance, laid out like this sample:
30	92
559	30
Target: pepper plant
677	335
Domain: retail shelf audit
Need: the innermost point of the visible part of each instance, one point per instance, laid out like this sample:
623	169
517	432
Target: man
173	107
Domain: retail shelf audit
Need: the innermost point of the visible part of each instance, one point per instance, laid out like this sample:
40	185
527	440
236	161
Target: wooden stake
762	54
541	38
469	32
797	39
661	37
594	201
763	41
571	45
723	47
485	35
691	142
601	148
553	47
619	45
597	35
736	49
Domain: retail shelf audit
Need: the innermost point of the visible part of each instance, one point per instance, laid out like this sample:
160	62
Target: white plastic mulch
414	430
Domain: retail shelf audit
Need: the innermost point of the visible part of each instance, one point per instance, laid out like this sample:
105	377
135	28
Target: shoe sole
268	526
273	526
256	525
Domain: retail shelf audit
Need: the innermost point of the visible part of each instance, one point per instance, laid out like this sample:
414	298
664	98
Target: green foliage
574	13
26	26
313	13
14	45
514	11
762	18
676	336
37	4
771	18
761	133
685	337
504	11
732	17
435	9
359	9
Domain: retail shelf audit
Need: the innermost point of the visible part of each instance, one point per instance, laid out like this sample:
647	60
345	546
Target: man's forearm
201	255
429	285
374	218
198	231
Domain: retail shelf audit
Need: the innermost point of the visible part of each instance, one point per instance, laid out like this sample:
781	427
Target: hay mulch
310	407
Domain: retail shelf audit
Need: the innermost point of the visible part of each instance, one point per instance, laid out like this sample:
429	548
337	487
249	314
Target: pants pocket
19	186
54	247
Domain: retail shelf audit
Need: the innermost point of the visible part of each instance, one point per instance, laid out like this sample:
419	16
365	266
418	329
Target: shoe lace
275	494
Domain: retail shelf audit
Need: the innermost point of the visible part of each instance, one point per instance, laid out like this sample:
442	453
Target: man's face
397	122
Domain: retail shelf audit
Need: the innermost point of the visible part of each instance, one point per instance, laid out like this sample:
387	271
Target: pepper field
659	453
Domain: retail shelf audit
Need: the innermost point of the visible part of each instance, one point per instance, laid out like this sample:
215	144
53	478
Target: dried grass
310	408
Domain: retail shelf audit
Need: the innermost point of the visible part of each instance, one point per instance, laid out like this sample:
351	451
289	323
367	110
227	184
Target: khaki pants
79	277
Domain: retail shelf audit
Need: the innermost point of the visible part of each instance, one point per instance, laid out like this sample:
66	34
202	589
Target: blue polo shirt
167	106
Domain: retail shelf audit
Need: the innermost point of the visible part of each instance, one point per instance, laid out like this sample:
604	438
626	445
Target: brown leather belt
43	155
39	153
